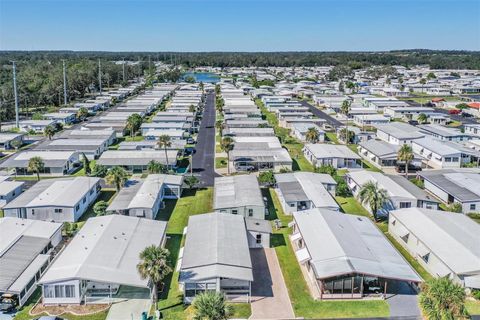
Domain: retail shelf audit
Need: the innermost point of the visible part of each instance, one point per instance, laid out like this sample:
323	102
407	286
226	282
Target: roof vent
115	237
257	223
86	248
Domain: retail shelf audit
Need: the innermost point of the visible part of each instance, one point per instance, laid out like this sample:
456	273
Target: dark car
466	115
7	303
400	168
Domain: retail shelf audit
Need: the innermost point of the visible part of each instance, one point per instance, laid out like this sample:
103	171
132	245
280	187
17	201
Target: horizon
239	26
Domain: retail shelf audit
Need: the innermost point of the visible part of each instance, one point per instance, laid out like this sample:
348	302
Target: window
58	210
448	159
455	159
259	238
77	207
393	222
292	205
33	211
405	238
91	191
59	291
250	212
472	206
235	211
405	205
426	257
84	200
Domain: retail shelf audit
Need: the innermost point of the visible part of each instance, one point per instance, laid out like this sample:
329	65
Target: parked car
50	318
466	115
400	168
8	303
190	141
454	111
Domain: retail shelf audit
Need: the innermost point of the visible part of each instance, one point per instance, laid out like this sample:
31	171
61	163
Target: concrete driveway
130	304
270	298
402	299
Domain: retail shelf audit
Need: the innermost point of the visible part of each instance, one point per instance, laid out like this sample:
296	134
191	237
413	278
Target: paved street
270	298
322	115
204	157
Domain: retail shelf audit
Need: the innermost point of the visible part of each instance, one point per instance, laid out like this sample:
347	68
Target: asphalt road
204	157
322	115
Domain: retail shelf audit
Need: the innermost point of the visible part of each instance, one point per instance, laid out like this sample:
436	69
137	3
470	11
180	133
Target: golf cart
8	303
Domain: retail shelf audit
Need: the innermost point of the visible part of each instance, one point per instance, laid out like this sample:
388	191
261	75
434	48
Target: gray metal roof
18	257
341	244
136	157
50	158
237	191
107	250
380	148
258	225
454	238
400	130
60	192
462	184
322	151
216	245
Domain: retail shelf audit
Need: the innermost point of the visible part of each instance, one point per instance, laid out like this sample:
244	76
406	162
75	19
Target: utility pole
100	76
15	92
64	84
123	69
149	65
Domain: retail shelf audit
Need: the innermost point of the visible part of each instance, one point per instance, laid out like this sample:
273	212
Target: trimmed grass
177	212
23	312
303	304
221	162
81	172
473	307
105	195
352	206
300	163
331	136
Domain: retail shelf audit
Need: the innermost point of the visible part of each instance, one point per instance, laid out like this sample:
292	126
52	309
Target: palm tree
191	108
405	154
49	131
441	299
134	122
345	109
36	165
422	118
155	167
372	195
154	266
227	144
116	176
219	125
423	81
82	113
211	306
164	142
312	135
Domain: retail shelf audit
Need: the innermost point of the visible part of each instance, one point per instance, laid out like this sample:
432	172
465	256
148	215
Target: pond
206	77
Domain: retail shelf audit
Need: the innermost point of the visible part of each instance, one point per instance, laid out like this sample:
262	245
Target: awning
296	236
302	255
401	231
472	281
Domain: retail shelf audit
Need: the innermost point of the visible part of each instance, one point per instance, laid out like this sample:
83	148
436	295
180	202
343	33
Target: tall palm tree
134	122
227	144
49	131
422	118
154	266
36	165
82	113
219	125
345	109
312	135
164	142
372	195
405	154
211	306
441	299
116	176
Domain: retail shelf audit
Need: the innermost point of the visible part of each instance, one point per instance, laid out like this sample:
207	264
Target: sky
239	25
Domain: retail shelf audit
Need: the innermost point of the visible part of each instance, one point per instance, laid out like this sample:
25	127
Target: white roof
107	250
341	244
454	238
237	191
11	229
321	150
61	192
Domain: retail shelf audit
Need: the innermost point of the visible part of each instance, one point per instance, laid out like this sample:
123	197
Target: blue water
203	77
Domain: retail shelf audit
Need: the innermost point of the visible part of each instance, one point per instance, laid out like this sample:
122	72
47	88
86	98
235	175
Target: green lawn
81	172
331	136
300	163
473	307
221	162
352	206
107	195
303	304
23	312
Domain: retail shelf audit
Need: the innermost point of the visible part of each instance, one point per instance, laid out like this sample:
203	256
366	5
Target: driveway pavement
131	303
204	157
403	300
322	115
270	298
